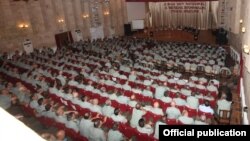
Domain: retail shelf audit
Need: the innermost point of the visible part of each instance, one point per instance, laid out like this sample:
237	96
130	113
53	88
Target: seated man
173	112
223	104
73	122
147	92
137	114
184	119
84	102
132	77
200	120
166	98
179	101
85	124
162	121
114	134
117	117
132	101
126	86
49	112
107	109
159	91
122	99
156	109
192	101
144	128
6	99
95	107
60	136
206	108
96	133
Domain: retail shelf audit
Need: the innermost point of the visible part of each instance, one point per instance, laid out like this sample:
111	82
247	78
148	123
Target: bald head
60	135
108	102
95	101
172	104
156	104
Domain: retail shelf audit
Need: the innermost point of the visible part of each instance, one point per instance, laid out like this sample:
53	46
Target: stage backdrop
201	15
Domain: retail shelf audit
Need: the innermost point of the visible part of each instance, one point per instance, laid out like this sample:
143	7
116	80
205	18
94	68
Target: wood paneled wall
42	17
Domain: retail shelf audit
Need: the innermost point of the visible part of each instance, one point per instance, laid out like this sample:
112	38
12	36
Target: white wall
136	10
231	15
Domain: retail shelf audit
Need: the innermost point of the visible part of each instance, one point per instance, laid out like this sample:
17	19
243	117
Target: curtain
200	15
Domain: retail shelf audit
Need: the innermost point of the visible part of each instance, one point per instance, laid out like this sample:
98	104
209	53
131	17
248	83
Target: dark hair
40	101
47	107
141	122
226	90
116	111
166	93
82	97
86	116
115	126
69	116
97	123
206	103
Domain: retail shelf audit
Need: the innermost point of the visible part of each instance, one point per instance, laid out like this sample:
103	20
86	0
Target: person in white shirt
144	128
85	124
206	108
89	87
156	109
159	91
200	120
132	77
126	86
186	91
61	78
162	121
132	101
107	109
73	122
137	114
162	77
33	104
122	99
114	134
178	100
95	107
166	98
223	104
84	102
173	112
184	119
61	115
212	88
192	101
147	92
96	133
40	107
49	112
117	117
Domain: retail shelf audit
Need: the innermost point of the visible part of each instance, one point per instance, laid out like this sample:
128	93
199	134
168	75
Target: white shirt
85	126
159	92
206	109
136	116
107	110
147	129
96	108
119	118
115	135
96	134
157	126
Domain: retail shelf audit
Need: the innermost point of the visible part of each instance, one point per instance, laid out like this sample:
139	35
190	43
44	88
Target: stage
205	36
